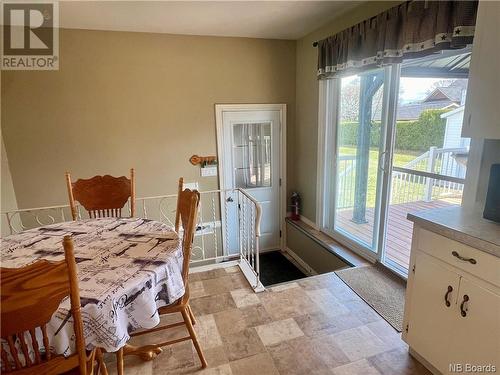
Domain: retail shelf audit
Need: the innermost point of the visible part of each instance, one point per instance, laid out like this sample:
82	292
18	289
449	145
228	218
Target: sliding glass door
356	173
392	146
429	155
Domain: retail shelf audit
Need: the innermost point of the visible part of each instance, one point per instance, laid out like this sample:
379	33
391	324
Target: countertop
462	225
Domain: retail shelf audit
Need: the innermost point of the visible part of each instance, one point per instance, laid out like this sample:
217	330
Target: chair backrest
29	297
180	187
188	202
102	196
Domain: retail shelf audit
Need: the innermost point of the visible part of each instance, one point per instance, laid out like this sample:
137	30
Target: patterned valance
410	30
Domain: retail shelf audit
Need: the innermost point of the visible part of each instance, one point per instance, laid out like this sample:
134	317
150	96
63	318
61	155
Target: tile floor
312	326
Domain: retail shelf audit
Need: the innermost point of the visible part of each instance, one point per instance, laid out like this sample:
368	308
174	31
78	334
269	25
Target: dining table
127	269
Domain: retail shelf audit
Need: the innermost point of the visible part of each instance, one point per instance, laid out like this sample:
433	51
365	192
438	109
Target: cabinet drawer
486	266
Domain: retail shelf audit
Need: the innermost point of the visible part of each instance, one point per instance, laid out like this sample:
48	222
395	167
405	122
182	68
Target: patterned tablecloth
127	268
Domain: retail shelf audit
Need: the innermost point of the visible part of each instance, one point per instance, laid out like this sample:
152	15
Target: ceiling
254	19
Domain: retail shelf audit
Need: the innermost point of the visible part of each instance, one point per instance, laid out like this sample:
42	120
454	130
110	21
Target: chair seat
177	306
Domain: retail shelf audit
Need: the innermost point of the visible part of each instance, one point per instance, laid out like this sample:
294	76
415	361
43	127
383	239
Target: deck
399	228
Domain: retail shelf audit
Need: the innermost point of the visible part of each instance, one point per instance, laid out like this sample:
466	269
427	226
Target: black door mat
275	268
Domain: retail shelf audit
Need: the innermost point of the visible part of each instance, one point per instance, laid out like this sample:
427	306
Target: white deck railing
346	182
436	174
211	242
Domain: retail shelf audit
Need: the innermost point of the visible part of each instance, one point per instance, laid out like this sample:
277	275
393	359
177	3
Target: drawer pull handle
463	308
457	255
450	289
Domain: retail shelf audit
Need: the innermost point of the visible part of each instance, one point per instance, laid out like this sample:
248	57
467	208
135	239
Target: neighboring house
453	140
411	112
453	93
446	97
453	133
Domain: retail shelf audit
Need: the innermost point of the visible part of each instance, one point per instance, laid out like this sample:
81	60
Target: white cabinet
452	312
479	328
430	313
482	107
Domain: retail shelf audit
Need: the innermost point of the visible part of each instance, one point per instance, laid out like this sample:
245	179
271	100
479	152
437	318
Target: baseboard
210	267
249	274
299	263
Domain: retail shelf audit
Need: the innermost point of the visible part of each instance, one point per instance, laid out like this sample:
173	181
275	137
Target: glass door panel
359	144
428	125
252	155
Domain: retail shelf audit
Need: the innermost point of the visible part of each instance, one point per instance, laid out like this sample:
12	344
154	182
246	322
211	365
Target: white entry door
249	140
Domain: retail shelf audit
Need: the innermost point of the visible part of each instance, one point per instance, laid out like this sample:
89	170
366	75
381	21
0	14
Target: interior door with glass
357	173
251	161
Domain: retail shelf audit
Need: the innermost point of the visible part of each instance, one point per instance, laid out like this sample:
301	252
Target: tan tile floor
313	326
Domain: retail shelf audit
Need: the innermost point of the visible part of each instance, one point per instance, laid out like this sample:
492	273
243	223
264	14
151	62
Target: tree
349	102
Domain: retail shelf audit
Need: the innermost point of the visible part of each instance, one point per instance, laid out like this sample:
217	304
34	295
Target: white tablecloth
127	268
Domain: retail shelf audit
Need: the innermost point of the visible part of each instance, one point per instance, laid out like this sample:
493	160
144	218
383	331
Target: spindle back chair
29	297
187	207
180	187
102	196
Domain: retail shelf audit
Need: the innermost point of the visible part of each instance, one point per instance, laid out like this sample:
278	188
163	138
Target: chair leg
193	320
100	363
119	361
189	325
91	362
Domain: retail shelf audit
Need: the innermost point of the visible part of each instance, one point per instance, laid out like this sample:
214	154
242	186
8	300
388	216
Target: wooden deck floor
399	229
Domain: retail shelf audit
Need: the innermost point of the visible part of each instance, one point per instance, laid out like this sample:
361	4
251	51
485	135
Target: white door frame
219	110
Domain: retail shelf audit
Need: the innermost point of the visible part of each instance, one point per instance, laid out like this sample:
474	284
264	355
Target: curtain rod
315	44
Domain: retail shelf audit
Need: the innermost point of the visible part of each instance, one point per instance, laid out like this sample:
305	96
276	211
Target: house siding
453	133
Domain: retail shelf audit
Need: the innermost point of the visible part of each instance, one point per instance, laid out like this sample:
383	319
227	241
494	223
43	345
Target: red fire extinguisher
295	206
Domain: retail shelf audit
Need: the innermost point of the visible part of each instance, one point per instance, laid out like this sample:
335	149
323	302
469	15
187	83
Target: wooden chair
102	196
178	212
30	295
188	202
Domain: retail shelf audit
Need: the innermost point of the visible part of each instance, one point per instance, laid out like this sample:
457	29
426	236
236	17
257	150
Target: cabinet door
430	323
482	112
476	336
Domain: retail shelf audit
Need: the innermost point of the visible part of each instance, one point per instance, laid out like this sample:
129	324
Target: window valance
410	30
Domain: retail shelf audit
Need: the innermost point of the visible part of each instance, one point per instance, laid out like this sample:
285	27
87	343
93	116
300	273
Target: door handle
463	308
230	199
446	301
382	161
457	255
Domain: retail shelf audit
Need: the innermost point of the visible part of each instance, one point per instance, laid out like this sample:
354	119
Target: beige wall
133	99
8	199
305	139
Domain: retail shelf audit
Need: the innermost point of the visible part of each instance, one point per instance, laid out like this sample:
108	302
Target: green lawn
400	157
346	195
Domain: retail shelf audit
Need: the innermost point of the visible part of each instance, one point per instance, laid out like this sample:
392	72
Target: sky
415	89
410	89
